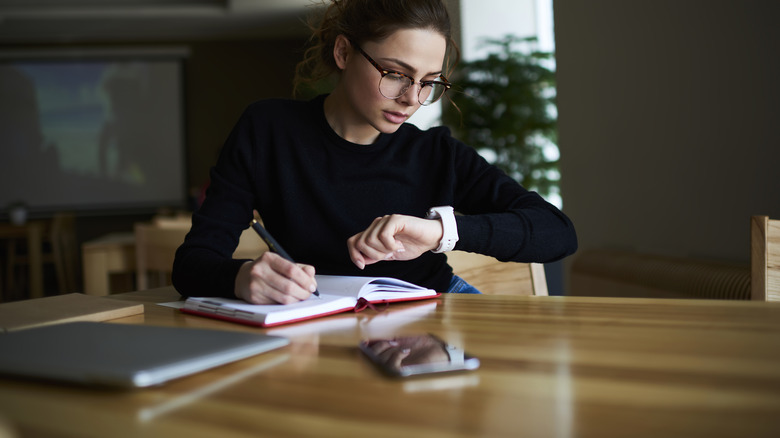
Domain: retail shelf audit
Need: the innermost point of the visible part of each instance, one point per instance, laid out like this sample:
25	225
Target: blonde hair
368	20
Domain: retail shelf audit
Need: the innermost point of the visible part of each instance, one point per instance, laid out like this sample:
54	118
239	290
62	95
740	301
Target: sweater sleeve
502	219
204	264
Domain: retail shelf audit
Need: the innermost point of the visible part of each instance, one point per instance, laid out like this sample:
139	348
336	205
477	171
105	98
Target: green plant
506	110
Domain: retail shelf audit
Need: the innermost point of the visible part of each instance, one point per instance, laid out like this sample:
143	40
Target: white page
380	288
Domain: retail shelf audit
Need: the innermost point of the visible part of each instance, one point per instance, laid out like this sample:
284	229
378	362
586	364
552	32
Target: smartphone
416	355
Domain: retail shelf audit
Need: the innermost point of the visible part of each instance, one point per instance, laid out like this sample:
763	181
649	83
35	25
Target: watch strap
449	227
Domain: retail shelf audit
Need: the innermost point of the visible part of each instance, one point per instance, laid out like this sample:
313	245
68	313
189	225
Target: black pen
273	245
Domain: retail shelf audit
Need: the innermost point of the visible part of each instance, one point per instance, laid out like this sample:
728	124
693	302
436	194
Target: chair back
765	258
494	277
65	251
54	243
155	249
156	243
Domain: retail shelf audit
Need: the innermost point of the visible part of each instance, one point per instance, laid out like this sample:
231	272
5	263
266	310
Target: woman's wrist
436	233
242	279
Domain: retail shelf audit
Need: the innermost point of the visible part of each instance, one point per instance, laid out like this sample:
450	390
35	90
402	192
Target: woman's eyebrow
409	67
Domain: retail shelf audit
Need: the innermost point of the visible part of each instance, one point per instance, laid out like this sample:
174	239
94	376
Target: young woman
347	187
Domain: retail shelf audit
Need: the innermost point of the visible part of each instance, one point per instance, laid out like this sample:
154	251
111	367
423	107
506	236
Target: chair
156	244
59	248
765	258
155	249
65	251
491	276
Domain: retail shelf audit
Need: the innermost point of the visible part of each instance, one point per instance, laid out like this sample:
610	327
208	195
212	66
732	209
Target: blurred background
664	138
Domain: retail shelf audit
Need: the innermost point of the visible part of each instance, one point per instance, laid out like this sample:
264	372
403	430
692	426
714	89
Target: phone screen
417	354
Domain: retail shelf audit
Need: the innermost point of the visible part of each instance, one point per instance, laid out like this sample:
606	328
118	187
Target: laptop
124	355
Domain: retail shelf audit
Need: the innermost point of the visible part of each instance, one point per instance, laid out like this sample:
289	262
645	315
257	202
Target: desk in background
551	367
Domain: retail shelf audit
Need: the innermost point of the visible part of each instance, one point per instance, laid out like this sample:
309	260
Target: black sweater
314	190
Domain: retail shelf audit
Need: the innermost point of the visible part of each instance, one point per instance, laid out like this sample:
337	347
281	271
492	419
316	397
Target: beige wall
669	122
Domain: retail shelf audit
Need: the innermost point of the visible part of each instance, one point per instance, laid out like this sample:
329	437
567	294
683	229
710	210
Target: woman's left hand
394	237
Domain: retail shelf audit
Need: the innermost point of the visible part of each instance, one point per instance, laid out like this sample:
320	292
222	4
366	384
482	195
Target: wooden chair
765	258
59	249
156	244
491	276
65	251
155	248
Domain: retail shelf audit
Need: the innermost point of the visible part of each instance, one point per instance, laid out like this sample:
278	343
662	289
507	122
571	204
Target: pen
273	245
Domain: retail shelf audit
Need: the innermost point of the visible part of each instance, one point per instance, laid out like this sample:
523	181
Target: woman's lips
394	117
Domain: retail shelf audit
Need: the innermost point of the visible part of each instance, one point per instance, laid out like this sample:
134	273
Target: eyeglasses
395	84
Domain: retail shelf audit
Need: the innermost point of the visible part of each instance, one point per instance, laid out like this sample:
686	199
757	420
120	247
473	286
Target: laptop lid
123	354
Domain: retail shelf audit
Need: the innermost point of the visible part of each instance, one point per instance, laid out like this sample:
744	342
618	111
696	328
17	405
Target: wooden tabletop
551	367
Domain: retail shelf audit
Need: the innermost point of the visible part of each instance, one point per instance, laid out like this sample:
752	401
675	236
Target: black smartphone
414	355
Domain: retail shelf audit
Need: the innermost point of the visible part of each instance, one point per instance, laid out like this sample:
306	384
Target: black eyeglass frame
384	72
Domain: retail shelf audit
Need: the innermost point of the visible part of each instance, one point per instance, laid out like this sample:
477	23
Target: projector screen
91	134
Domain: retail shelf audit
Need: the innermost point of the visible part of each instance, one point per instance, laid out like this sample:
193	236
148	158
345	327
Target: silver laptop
122	354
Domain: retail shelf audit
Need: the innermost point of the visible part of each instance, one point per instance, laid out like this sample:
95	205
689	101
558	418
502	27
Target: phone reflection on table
417	354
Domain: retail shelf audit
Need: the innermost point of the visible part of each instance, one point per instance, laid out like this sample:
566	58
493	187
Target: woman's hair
368	20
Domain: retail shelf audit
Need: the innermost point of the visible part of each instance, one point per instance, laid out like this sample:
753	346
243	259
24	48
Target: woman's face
418	53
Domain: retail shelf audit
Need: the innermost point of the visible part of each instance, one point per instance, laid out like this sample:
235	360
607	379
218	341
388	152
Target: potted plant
505	108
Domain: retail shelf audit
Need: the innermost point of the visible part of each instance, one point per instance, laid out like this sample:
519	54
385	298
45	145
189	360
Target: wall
222	78
668	115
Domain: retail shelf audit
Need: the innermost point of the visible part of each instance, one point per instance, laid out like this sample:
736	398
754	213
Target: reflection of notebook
123	354
368	325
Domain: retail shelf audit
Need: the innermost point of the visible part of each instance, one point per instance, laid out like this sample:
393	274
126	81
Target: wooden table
32	231
551	367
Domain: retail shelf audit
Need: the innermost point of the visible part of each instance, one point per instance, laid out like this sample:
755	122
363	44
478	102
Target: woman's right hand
271	279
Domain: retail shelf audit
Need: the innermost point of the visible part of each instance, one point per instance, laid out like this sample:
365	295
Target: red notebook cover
337	294
360	306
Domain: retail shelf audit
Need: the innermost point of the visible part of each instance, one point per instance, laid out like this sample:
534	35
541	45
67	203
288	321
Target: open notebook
337	294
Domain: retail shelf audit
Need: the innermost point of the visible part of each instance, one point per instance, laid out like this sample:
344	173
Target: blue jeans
459	286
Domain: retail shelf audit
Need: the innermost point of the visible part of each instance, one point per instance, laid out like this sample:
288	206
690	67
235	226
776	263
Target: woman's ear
341	51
